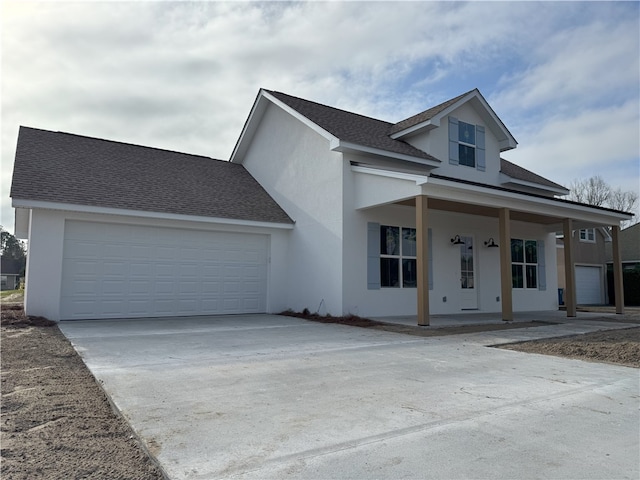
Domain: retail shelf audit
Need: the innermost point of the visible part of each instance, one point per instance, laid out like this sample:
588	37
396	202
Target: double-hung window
466	144
397	257
524	263
588	235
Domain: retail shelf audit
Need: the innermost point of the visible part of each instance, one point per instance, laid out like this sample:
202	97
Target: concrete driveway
258	397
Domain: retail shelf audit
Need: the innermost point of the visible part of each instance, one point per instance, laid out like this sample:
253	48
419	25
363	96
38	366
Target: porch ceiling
459	207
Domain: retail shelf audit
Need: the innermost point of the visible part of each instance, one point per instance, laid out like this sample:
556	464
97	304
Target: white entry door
468	291
122	271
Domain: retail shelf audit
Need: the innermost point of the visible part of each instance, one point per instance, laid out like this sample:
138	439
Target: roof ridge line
124	143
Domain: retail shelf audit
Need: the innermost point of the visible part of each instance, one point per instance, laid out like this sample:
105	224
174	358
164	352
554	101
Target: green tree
13	249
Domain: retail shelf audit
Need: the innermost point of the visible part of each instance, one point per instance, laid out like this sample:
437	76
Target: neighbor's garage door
589	289
120	271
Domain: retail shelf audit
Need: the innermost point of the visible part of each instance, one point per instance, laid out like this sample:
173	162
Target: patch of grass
12	295
7	293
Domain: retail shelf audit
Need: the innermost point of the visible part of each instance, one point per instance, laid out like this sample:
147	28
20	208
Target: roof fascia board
249	128
341	146
507	144
37	204
294	113
504	178
446	189
419	179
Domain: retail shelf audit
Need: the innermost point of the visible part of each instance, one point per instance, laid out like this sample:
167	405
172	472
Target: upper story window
588	235
466	144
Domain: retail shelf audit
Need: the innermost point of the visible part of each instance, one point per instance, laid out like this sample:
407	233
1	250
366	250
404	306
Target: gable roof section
424	116
432	117
72	169
524	176
352	128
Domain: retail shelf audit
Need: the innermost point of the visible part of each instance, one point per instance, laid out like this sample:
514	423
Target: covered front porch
438	196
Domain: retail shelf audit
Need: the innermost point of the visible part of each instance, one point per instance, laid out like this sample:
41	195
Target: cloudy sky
563	77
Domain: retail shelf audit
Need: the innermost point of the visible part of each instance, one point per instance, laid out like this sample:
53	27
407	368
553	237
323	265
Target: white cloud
183	76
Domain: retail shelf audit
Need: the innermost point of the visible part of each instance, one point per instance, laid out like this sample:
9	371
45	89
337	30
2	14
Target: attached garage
121	271
589	285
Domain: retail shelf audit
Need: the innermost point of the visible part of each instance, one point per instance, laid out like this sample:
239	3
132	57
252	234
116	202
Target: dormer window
466	144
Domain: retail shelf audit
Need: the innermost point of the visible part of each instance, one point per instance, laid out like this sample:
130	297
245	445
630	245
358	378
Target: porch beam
569	269
422	251
618	284
505	265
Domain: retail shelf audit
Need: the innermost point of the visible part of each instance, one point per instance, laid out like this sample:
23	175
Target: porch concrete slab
483	318
255	397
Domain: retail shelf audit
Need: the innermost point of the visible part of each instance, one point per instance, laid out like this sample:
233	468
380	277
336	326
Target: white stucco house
317	208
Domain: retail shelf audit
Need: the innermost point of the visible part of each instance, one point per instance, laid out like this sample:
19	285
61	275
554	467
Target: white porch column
505	265
422	251
618	284
569	269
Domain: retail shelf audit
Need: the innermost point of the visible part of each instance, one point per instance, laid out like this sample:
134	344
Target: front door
468	292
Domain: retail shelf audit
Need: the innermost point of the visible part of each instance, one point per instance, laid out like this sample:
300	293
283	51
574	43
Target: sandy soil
57	423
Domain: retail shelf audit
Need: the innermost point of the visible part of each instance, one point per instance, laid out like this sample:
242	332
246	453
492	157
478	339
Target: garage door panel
113	287
113	271
589	286
114	268
80	249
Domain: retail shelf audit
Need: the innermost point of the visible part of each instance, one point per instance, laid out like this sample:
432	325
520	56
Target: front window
397	257
467	144
524	263
588	235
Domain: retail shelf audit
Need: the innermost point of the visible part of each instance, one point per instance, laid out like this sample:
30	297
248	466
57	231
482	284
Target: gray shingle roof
424	116
514	171
351	127
64	168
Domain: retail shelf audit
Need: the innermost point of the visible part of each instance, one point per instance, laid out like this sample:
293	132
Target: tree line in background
595	191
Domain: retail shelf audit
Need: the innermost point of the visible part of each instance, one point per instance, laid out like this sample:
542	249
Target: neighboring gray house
9	273
629	248
589	262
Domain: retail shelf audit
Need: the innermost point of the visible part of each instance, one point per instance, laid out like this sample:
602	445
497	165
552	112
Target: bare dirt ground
57	423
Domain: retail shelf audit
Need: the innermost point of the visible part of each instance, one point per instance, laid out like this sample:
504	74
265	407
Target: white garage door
589	289
122	271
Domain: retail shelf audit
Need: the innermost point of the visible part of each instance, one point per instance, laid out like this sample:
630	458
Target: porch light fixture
491	243
456	240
